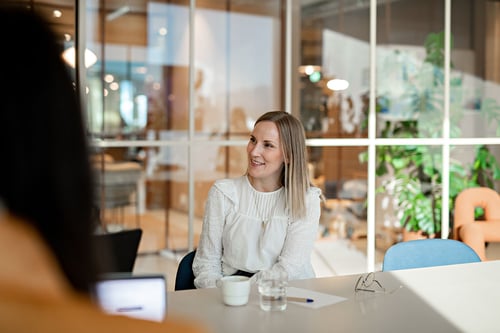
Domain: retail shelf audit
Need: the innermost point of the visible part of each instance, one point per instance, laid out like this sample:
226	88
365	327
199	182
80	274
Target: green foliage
415	174
416	181
434	49
491	110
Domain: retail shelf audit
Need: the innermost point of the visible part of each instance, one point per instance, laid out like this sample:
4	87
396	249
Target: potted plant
416	183
413	172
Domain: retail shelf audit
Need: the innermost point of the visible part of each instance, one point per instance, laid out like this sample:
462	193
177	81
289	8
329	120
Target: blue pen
300	299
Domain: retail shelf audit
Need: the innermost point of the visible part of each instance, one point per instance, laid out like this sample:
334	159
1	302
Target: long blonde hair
294	176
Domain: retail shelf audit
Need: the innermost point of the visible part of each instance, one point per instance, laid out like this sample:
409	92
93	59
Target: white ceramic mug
235	290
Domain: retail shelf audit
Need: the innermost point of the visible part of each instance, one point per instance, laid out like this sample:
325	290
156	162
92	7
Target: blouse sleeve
207	264
295	256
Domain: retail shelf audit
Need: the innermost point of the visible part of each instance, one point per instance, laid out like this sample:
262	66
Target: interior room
393	94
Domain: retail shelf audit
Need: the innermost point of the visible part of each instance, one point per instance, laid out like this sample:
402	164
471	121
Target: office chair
117	251
184	278
427	253
474	233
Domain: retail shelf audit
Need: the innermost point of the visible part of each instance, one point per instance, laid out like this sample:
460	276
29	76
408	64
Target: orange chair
477	233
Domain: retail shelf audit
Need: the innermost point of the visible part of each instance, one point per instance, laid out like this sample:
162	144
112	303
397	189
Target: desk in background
457	298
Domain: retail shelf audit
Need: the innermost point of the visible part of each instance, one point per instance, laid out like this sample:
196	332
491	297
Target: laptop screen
139	296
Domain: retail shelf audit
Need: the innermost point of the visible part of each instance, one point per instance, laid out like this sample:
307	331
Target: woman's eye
252	139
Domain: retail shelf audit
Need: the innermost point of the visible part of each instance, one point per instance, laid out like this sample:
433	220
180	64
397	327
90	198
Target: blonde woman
267	218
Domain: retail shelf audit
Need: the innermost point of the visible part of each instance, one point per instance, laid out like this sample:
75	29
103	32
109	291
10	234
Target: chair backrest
117	251
468	200
426	253
184	278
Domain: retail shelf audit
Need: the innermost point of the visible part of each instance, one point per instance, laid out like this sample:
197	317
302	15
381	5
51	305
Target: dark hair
45	173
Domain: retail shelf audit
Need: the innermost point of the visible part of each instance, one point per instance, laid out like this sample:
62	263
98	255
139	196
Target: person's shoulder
226	182
314	191
223	182
228	186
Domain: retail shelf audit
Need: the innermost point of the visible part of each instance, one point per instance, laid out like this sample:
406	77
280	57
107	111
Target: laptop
138	296
118	250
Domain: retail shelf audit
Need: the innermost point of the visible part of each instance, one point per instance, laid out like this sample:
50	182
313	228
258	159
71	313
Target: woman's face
265	156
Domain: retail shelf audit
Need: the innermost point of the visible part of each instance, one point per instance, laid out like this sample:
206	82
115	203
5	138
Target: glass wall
393	95
335	85
175	91
427	110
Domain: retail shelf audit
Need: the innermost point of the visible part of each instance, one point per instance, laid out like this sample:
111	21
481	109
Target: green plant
416	179
414	171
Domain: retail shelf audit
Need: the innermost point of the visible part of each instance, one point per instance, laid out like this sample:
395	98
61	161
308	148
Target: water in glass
272	295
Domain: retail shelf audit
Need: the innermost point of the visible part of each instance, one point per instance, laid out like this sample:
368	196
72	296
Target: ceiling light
69	56
309	69
162	31
109	78
337	84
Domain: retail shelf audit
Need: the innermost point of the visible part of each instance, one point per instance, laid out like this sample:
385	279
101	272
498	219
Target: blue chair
184	279
427	253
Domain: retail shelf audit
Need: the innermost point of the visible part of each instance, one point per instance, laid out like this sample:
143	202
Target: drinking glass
272	289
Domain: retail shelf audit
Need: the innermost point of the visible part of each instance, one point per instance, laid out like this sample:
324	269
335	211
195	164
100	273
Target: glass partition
170	83
410	69
475	78
334	71
175	90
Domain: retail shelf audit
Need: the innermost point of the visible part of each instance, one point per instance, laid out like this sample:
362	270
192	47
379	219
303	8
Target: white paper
320	299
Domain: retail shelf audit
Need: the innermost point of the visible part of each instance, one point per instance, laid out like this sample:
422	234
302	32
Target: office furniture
426	253
114	293
477	233
115	182
184	279
452	298
117	251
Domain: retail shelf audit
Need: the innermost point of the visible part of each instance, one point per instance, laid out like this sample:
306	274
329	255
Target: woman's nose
255	150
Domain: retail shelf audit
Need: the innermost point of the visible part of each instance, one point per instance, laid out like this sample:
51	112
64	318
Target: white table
457	298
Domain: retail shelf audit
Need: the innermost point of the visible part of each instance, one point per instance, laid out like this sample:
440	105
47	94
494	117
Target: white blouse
244	229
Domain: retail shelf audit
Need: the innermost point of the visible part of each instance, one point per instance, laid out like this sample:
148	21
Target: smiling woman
265	157
267	218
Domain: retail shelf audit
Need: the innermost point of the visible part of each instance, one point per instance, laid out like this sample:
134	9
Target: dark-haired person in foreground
47	264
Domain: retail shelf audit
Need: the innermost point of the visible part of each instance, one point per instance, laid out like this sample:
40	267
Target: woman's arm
207	265
295	256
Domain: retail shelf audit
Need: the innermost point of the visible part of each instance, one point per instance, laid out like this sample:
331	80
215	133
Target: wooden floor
158	234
